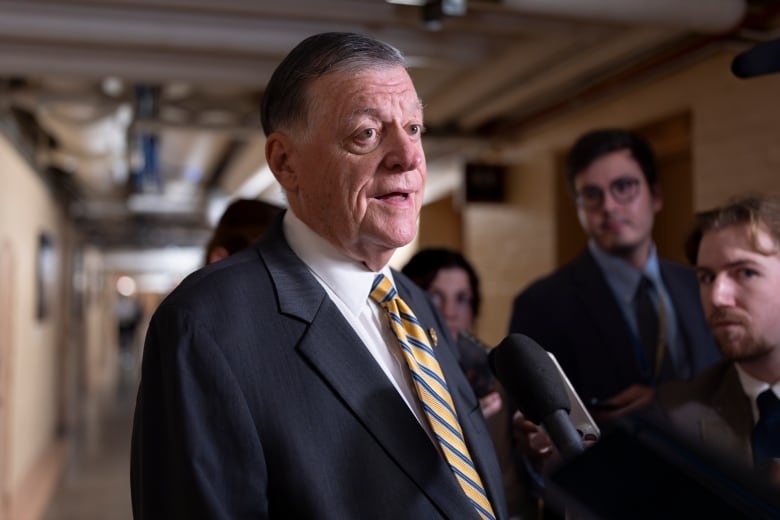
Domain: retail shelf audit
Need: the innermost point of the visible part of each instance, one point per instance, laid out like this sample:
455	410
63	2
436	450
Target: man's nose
722	293
608	202
404	153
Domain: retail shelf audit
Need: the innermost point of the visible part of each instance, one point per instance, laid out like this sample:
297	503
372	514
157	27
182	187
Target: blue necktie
651	325
765	439
433	393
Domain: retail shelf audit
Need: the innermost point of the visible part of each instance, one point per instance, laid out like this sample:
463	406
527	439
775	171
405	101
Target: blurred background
127	127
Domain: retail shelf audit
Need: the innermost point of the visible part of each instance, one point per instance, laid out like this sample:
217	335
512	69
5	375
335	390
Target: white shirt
348	283
753	388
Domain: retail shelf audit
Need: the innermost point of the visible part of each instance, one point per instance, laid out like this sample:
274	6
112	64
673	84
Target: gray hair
285	104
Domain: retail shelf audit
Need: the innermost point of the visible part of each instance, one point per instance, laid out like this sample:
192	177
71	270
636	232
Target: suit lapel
733	408
685	300
599	305
333	349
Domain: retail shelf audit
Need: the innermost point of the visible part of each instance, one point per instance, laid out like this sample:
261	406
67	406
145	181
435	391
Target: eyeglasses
622	189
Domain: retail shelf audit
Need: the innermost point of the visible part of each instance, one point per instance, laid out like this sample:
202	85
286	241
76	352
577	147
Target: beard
737	341
623	250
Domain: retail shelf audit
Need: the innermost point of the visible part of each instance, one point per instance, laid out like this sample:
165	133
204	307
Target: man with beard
733	407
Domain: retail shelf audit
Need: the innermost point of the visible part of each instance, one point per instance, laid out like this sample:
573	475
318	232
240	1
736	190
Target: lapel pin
434	336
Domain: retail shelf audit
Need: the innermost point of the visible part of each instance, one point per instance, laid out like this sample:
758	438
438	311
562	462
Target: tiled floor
95	484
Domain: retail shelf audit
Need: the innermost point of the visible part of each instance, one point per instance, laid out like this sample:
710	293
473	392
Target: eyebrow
372	111
742	262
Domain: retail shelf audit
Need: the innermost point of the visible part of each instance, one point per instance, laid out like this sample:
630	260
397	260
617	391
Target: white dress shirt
753	388
348	283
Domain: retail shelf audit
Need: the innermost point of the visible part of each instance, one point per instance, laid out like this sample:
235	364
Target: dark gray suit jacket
258	400
713	410
573	314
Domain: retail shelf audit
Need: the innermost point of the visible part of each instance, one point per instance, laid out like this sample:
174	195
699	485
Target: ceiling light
112	86
432	16
453	7
417	3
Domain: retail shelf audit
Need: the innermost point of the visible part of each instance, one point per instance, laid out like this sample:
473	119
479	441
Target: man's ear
279	152
218	253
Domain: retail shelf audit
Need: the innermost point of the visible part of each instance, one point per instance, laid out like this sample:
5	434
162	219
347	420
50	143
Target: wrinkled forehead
366	92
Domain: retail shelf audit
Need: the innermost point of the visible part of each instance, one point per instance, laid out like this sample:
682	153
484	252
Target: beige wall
736	148
59	364
514	237
26	210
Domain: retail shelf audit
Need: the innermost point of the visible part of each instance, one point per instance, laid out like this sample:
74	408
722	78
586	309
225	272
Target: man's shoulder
675	268
554	282
221	281
676	393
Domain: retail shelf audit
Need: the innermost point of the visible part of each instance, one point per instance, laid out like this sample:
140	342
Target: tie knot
382	289
644	287
768	405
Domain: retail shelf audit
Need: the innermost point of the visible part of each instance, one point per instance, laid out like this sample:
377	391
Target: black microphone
530	377
759	60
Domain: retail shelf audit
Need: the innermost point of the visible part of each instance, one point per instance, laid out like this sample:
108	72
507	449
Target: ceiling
143	114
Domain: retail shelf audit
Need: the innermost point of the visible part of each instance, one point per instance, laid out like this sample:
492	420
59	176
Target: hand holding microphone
537	384
534	444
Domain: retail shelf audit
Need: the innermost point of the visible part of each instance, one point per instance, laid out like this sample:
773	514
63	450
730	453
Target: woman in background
243	222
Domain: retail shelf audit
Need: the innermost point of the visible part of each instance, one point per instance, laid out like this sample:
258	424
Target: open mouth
395	195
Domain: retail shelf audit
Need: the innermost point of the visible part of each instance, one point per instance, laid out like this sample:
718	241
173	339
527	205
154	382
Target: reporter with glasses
619	319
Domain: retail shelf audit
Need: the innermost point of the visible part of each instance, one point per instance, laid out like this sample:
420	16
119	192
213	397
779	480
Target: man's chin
740	347
395	236
730	340
617	248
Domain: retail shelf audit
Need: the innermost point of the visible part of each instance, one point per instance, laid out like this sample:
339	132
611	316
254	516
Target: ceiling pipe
703	16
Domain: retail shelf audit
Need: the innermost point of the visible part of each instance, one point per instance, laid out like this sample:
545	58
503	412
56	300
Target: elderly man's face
359	172
740	292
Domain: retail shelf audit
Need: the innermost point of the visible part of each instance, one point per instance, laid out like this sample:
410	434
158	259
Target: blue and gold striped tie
432	389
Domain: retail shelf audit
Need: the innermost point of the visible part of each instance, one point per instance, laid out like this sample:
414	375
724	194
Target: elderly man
302	377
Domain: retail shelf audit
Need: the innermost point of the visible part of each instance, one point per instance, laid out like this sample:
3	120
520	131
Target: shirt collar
349	280
752	386
622	276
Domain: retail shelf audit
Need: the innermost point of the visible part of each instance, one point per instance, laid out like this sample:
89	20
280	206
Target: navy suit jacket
258	400
573	314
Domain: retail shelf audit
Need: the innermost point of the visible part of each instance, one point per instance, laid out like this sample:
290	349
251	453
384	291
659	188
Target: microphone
530	377
759	60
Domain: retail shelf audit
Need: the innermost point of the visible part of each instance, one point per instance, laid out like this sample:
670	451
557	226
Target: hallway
95	484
